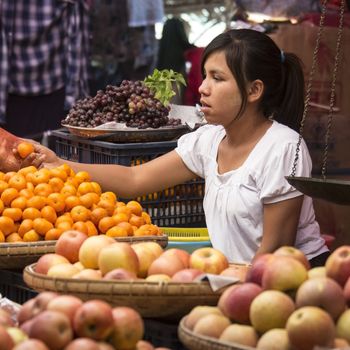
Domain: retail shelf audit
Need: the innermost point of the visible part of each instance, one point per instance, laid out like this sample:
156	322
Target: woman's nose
203	90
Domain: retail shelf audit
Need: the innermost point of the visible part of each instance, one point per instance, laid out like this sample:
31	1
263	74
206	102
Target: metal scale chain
309	86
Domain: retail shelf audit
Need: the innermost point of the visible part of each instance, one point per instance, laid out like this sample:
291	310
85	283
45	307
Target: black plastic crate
179	206
14	288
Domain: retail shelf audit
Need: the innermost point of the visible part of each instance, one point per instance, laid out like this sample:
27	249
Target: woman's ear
255	90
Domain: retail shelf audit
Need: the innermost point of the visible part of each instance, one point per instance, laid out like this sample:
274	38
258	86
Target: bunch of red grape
132	103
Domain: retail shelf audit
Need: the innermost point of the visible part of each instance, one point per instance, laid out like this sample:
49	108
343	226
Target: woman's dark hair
252	55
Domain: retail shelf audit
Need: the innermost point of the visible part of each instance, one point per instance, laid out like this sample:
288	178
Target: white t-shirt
233	201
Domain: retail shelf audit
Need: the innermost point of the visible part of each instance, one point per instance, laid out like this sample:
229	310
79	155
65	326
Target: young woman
252	97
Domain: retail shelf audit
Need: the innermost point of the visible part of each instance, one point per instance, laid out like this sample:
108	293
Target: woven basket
19	255
194	341
158	300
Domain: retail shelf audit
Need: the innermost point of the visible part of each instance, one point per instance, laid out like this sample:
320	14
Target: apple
6	341
25	326
186	275
17	334
118	255
79	266
144	345
5	319
284	273
237	271
31	344
69	243
338	264
153	246
120	274
270	309
53	328
82	343
322	292
343	325
90	250
310	326
211	325
66	270
159	277
274	339
340	343
318	271
235	301
48	260
145	256
182	254
167	265
240	334
105	346
257	268
294	253
346	291
198	312
88	274
67	304
93	319
208	260
128	328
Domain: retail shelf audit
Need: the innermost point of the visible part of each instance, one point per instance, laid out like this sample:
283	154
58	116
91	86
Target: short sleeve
272	183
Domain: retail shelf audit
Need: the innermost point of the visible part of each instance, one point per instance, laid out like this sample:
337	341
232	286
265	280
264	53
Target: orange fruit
63	218
25	226
56	184
66	168
136	220
8	195
123	210
36	201
8	175
56	201
96	187
53	234
82	176
97	214
121	217
2	175
7	225
14	238
31	213
2	237
120	204
26	193
18	182
30	186
105	224
19	202
146	217
24	149
26	170
14	213
71	202
85	187
80	213
3	186
49	213
31	236
128	227
43	189
135	207
108	205
117	231
64	225
88	199
146	230
2	206
41	226
40	176
91	228
72	181
109	196
58	173
80	226
68	190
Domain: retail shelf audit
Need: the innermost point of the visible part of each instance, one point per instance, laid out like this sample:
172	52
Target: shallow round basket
158	300
19	255
194	341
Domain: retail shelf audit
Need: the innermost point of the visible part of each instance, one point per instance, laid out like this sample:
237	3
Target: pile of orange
42	204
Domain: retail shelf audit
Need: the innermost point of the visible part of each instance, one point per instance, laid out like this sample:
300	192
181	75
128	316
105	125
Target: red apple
186	275
338	264
257	268
294	253
68	244
240	334
198	312
120	274
31	344
284	273
67	304
82	343
270	309
53	328
118	255
6	342
235	301
146	255
274	339
46	261
5	319
182	254
128	328
208	260
237	271
310	326
25	326
211	325
88	274
340	343
94	319
322	292
167	265
343	325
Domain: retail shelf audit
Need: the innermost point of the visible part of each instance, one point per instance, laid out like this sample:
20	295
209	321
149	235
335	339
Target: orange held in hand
24	149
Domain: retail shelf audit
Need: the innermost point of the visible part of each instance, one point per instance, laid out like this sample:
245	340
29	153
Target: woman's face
220	96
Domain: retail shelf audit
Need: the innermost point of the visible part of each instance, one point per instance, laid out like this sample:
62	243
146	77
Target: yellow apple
208	260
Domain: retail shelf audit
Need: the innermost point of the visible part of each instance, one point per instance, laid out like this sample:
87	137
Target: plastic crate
188	238
181	205
14	288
